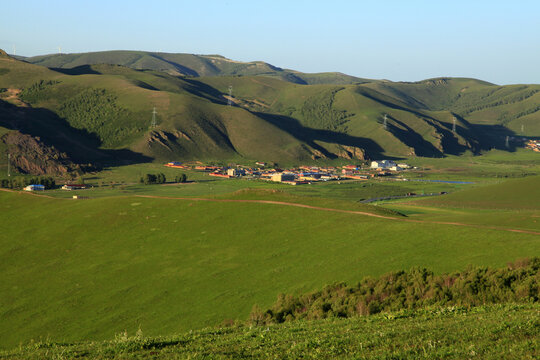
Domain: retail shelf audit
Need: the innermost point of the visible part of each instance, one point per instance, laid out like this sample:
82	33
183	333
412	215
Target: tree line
160	178
413	289
20	182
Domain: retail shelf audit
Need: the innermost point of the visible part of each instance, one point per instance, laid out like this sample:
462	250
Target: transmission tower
454	124
385	123
229	100
153	124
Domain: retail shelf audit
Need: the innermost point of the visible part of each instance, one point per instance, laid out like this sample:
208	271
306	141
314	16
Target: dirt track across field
283	203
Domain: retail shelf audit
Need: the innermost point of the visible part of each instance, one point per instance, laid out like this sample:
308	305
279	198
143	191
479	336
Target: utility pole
153	124
8	164
229	100
454	125
385	123
507	142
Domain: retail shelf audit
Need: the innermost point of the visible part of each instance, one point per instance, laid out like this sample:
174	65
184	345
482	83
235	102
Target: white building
382	164
34	188
280	177
236	172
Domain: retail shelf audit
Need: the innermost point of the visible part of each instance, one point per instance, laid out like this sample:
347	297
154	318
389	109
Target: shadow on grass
80	145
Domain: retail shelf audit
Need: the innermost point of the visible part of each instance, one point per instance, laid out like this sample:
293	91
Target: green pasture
89	269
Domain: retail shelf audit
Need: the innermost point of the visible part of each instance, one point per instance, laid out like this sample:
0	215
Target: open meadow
173	257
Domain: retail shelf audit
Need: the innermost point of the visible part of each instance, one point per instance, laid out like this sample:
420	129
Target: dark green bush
412	289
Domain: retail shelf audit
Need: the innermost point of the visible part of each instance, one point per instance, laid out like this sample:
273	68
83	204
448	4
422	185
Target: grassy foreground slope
494	332
90	269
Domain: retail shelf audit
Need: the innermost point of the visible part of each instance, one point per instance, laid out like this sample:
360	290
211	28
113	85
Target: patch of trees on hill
413	289
20	182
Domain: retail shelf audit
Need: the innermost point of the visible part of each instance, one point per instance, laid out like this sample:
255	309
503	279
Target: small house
73	187
281	177
34	187
236	172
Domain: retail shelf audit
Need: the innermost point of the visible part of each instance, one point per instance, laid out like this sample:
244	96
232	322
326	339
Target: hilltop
189	65
96	108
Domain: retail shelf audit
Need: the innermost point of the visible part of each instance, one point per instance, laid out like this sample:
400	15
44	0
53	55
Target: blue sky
497	41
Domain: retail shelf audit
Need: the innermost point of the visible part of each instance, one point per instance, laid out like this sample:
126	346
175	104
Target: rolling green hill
189	65
101	113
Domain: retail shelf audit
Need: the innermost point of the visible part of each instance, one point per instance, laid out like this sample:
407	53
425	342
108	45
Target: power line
229	100
153	124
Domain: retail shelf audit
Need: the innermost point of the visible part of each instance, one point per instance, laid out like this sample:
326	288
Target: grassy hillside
190	65
107	108
92	268
499	110
490	332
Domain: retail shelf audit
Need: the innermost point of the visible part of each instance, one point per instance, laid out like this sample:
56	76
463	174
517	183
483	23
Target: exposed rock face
30	155
316	154
352	152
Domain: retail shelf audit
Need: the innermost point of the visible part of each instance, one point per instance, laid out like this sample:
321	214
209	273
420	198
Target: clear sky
497	41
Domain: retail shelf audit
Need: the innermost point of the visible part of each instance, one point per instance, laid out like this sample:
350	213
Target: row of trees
20	182
408	290
160	178
148	179
182	178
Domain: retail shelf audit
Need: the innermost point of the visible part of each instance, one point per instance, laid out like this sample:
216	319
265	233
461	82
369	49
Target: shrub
412	289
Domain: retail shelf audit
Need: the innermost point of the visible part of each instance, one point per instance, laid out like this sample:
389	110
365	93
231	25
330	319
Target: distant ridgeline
409	290
97	108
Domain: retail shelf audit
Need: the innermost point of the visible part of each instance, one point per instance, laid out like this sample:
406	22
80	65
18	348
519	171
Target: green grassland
87	269
117	261
512	204
489	332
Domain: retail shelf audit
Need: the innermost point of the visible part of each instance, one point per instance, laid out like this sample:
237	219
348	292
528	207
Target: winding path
364	213
283	203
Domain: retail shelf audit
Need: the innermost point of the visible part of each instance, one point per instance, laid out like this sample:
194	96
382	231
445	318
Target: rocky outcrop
29	155
352	153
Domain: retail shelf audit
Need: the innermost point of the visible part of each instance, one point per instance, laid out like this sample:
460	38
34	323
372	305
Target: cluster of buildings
38	187
299	175
534	145
388	165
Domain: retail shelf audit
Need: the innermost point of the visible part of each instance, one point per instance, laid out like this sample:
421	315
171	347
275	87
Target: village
533	145
298	175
